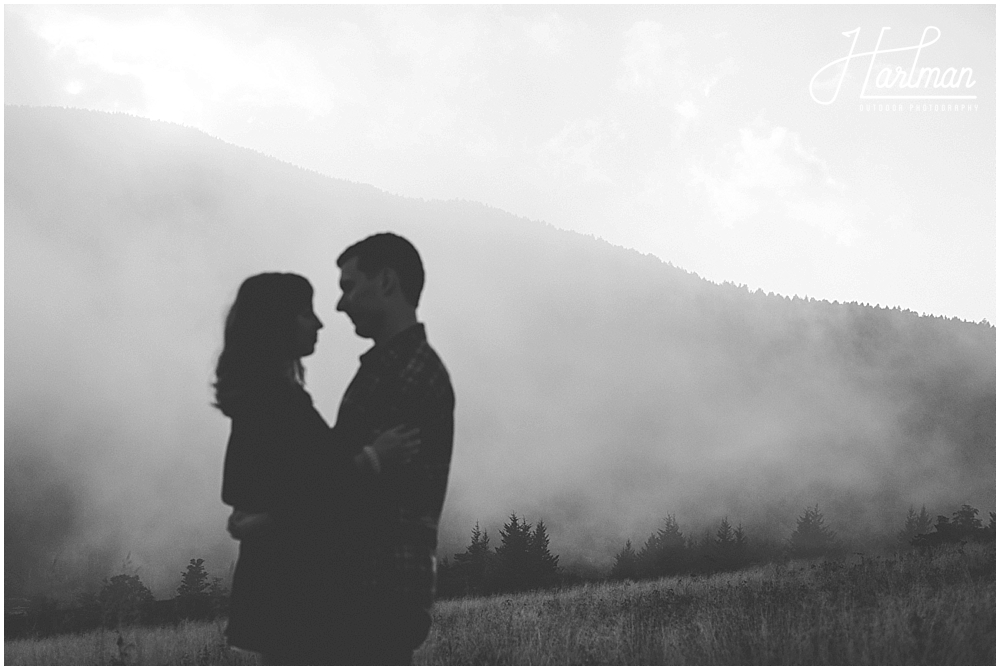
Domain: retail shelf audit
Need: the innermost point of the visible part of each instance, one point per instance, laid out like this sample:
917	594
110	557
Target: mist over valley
597	388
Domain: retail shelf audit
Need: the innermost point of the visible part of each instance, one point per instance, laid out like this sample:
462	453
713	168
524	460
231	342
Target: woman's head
270	326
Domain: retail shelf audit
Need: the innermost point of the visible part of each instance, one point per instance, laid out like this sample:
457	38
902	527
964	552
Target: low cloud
181	67
770	169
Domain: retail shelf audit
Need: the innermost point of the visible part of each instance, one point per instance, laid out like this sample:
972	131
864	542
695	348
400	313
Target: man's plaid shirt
392	518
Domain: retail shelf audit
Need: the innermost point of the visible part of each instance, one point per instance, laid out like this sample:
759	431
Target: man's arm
426	401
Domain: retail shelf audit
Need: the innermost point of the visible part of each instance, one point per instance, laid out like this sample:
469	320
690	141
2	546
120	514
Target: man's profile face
361	300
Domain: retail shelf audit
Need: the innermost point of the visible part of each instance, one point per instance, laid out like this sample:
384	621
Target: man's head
381	278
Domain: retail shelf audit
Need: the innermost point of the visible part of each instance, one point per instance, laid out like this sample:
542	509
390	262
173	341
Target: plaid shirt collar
399	344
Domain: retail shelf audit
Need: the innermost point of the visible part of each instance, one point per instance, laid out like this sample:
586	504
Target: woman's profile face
307	326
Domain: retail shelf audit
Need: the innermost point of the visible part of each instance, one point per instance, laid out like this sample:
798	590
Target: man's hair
388	250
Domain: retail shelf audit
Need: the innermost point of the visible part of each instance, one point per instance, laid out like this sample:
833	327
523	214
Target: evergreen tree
729	546
741	547
924	522
724	536
194	580
664	552
811	536
740	537
474	566
966	520
544	567
193	599
626	563
965	525
915	524
513	555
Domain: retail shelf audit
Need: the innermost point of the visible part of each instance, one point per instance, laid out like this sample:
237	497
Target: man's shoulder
428	363
424	369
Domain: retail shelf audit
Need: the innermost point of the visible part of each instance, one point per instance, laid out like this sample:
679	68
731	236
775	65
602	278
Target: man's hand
397	446
242	525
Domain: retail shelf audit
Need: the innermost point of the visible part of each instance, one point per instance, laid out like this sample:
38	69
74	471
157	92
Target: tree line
669	552
121	600
520	561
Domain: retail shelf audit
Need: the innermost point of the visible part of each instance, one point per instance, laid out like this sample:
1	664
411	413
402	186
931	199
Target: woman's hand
397	446
242	525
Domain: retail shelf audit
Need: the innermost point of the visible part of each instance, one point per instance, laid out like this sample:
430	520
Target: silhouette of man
392	518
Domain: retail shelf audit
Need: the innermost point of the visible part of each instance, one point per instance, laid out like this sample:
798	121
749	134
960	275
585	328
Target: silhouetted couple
337	527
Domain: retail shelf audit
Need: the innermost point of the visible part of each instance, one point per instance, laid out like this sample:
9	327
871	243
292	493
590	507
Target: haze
598	387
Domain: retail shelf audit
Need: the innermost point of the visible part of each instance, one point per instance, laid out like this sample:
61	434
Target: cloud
774	170
183	69
687	109
572	150
724	68
651	58
438	85
28	77
553	33
657	64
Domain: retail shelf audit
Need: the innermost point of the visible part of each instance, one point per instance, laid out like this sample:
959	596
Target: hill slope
597	387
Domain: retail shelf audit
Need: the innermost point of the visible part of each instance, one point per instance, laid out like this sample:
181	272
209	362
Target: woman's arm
242	525
249	478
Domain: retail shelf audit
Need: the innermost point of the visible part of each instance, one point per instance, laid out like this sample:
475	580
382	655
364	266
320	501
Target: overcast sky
688	132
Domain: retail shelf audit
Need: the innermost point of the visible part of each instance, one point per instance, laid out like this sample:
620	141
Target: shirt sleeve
420	485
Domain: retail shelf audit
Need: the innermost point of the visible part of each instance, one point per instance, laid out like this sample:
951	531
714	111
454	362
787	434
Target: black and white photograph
505	335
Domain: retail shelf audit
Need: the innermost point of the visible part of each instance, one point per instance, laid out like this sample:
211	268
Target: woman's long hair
258	353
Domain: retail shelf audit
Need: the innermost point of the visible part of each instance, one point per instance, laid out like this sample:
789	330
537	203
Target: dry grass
907	611
910	610
189	643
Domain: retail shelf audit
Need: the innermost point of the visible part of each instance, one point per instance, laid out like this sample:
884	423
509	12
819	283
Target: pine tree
512	555
966	520
626	564
544	567
194	600
915	524
474	565
194	580
664	552
741	547
723	550
924	521
724	535
965	525
811	536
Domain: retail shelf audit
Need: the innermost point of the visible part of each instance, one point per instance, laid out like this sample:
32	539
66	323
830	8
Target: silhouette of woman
280	476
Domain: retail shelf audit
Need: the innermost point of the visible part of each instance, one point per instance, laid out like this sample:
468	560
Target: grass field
913	609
